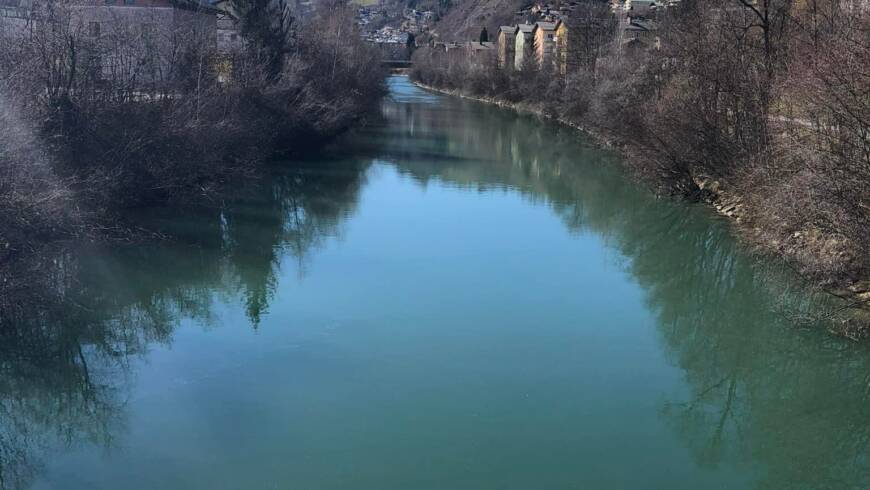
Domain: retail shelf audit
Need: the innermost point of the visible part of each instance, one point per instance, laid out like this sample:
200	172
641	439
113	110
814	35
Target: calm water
460	298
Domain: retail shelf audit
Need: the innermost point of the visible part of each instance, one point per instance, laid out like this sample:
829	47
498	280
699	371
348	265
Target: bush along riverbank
760	110
105	109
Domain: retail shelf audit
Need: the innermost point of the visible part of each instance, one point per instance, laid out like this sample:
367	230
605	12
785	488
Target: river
460	297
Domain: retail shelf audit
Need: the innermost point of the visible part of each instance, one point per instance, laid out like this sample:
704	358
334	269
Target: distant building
545	43
155	26
562	47
506	41
480	50
642	31
229	37
640	8
524	43
14	16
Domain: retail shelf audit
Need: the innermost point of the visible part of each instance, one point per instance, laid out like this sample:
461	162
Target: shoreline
856	294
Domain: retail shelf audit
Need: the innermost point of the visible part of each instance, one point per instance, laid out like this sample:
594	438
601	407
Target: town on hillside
540	36
388	24
395	26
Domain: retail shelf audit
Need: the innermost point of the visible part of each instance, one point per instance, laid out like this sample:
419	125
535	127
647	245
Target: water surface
460	297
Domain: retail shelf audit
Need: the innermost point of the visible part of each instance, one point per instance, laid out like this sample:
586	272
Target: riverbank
851	320
97	141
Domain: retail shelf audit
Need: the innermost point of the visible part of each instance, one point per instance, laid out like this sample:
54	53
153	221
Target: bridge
397	64
394	55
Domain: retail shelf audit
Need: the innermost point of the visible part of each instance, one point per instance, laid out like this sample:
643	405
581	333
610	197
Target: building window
94	29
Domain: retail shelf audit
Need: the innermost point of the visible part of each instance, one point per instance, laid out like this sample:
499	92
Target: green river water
458	298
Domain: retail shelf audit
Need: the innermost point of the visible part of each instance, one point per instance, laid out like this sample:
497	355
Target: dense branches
111	108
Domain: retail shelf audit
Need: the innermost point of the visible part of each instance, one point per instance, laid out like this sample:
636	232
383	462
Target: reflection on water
66	342
753	401
795	403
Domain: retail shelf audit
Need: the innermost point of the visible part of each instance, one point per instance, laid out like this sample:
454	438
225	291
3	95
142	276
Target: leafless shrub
130	107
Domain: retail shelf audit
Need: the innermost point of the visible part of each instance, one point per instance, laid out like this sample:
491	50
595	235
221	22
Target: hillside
465	18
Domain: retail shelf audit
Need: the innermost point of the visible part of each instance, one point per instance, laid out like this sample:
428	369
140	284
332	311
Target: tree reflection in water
68	335
758	388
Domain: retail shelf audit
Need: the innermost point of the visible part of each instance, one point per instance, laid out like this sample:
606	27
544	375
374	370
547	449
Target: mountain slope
466	18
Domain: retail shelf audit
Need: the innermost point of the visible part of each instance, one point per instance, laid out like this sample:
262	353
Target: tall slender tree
268	27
